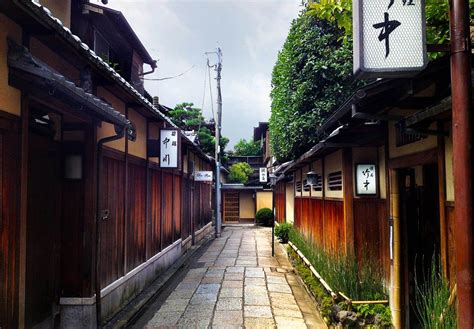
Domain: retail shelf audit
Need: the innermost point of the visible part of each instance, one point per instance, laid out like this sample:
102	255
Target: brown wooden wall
9	227
167	209
280	200
154	242
371	231
187	211
451	255
321	221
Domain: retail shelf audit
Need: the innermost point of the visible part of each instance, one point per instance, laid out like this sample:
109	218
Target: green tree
240	172
311	78
247	148
188	117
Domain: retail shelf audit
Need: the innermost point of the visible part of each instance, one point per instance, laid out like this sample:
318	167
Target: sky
179	32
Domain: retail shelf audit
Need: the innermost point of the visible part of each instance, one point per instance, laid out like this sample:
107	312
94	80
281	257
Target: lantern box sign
389	38
263	175
366	179
203	176
169	148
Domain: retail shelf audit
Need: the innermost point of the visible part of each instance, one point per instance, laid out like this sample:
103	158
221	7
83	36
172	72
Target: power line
172	77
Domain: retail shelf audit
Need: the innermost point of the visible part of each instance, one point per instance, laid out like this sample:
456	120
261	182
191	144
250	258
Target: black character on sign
166	159
387	27
405	3
174	143
366	185
173	133
166	141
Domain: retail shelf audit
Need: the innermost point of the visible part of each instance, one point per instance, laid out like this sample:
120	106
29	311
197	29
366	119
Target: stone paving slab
236	283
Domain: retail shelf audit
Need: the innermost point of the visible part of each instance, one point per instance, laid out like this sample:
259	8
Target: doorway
419	214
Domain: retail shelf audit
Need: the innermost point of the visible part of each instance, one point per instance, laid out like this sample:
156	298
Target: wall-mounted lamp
311	178
273	179
73	166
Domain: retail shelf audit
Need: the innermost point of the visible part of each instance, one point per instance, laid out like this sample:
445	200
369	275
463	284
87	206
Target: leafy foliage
282	231
264	216
311	78
247	148
188	117
437	17
240	172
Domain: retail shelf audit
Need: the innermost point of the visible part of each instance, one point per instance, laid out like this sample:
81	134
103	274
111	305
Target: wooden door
231	207
43	231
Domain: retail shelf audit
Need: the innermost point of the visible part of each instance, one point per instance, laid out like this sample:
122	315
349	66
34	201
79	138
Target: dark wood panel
280	206
136	220
186	208
334	225
451	255
317	223
112	247
177	207
371	231
167	209
9	229
155	213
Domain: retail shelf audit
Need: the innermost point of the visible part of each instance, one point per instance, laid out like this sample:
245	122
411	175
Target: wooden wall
126	239
9	226
280	202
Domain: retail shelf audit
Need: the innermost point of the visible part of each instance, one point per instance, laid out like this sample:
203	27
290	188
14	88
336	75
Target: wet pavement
234	282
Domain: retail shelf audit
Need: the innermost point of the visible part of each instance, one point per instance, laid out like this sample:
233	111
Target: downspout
153	68
101	215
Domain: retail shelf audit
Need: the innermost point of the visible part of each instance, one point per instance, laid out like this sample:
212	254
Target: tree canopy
312	77
240	172
247	148
188	117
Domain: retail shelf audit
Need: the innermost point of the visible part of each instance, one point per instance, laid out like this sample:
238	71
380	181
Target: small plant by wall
282	231
434	298
345	275
264	216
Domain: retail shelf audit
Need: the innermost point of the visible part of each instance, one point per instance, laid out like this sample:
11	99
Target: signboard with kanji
203	176
263	174
169	148
389	38
366	179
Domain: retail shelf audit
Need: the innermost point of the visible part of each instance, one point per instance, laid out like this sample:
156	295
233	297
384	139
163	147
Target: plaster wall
107	129
10	98
422	145
138	147
60	9
332	163
448	161
246	205
264	200
290	203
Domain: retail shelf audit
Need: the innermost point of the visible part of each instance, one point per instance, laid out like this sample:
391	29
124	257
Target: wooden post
442	201
147	194
348	194
462	159
126	214
23	208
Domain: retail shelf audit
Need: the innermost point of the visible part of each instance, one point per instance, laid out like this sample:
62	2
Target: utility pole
218	125
462	159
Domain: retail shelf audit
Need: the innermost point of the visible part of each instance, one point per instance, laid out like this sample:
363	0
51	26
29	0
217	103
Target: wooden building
399	130
86	209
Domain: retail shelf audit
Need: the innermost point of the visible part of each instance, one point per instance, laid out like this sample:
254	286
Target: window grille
306	187
298	186
318	187
335	181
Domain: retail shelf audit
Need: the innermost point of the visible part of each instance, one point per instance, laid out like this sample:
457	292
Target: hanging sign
263	173
203	176
169	148
366	179
389	38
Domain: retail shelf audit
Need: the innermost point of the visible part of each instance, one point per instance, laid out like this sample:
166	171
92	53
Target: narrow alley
234	282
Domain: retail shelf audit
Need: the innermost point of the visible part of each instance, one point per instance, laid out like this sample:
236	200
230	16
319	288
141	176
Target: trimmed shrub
264	216
282	231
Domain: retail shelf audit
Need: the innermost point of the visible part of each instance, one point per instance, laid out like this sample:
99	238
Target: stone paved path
235	283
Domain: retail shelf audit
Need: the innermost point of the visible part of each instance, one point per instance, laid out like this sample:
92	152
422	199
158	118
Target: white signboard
263	175
366	179
203	176
389	37
169	148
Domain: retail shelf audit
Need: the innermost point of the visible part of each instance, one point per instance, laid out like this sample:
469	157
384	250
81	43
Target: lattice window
318	187
402	138
335	181
298	186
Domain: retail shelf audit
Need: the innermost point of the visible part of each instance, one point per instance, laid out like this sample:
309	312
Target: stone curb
139	304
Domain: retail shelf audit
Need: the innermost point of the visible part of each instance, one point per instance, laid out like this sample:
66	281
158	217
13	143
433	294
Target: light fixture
311	178
73	166
273	179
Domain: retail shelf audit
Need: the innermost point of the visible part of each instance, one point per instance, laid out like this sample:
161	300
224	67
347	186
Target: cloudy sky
250	34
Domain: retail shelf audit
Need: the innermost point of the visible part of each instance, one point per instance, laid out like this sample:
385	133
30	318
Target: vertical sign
263	175
389	38
366	179
169	148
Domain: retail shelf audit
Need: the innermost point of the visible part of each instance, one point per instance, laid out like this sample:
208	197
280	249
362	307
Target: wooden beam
411	160
348	191
126	211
